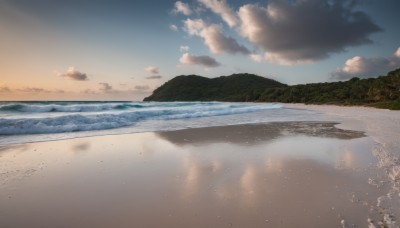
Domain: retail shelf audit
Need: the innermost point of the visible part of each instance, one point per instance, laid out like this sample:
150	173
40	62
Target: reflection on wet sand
258	133
271	175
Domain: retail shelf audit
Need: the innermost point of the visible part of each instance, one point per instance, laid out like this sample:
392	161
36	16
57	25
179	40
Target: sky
123	50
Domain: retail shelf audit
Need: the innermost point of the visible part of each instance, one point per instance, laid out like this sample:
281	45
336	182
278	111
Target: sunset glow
122	50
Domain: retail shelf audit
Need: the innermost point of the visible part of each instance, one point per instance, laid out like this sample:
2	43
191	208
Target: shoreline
322	109
333	123
129	129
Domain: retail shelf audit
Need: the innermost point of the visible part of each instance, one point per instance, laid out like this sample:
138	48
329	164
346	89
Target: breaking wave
56	117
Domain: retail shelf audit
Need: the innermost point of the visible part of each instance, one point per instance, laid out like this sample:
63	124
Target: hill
381	92
236	87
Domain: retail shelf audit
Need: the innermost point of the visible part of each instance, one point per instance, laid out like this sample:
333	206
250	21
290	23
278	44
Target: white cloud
302	31
184	49
74	74
221	8
281	59
188	59
152	69
256	57
173	28
397	53
212	36
363	67
183	8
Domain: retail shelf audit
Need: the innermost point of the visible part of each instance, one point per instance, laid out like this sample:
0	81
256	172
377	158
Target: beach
340	170
195	114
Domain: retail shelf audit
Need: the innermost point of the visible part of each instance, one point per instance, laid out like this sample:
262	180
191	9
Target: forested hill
383	91
236	87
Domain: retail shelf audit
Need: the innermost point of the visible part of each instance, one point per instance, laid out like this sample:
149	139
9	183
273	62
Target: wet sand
293	174
383	126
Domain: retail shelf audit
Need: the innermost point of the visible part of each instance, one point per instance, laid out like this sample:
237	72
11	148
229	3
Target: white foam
371	223
41	108
47	123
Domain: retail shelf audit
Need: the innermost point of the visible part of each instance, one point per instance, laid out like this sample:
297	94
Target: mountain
236	87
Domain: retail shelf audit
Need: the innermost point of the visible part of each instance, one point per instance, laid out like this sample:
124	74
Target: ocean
22	122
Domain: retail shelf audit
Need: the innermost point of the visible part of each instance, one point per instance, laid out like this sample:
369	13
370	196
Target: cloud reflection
246	162
250	134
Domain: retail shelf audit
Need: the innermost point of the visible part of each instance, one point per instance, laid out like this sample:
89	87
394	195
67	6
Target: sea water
22	122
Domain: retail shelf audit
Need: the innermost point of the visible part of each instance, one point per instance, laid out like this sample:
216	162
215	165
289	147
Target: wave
123	115
41	108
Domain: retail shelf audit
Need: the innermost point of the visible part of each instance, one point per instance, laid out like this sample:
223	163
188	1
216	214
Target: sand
383	126
290	174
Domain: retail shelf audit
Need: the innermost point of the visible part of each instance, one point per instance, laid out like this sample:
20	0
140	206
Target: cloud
173	27
256	57
304	31
397	53
363	67
30	90
105	87
74	74
141	88
154	77
152	69
221	8
5	89
280	59
213	37
188	59
89	91
183	8
184	49
33	90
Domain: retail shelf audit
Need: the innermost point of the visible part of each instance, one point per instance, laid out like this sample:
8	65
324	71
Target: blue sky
90	50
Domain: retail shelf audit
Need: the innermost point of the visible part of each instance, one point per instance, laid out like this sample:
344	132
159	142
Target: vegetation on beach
380	92
387	105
